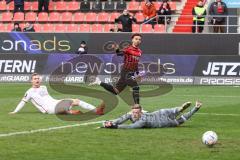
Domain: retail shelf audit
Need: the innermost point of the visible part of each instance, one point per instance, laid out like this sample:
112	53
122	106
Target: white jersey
40	99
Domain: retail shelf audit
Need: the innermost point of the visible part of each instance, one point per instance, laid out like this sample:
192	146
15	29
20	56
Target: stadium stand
186	17
73	15
96	6
109	6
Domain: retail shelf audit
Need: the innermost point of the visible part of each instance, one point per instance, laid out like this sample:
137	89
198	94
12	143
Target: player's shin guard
187	115
136	94
108	87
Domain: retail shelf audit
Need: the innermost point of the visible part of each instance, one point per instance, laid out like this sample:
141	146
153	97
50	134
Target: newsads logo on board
51	44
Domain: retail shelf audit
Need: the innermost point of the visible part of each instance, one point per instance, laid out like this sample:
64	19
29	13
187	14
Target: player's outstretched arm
122	119
136	125
22	103
114	123
19	107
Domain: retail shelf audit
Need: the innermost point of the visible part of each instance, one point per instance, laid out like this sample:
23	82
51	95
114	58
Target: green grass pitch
220	113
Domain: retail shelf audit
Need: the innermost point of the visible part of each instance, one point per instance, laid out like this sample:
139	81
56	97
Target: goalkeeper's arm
109	124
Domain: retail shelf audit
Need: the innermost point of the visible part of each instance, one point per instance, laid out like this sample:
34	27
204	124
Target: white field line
219	114
48	129
85	124
211	96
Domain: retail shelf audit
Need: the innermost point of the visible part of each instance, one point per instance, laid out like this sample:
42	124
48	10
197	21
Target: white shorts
60	106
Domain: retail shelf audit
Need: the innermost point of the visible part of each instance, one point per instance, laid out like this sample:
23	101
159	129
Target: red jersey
131	58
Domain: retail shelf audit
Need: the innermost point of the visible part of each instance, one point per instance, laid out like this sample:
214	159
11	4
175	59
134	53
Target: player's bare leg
106	86
97	110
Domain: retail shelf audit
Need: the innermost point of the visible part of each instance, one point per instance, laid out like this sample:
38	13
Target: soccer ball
209	138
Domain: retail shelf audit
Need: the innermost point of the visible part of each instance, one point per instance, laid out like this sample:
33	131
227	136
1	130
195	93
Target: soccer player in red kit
131	55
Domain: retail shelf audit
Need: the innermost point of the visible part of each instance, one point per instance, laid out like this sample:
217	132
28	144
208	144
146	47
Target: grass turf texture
86	142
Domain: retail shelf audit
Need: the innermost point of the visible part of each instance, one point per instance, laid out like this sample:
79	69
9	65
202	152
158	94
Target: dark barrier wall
176	44
184	70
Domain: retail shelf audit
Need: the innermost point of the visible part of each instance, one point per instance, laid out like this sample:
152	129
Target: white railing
208	19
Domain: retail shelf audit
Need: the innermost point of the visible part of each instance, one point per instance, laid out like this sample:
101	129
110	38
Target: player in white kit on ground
41	99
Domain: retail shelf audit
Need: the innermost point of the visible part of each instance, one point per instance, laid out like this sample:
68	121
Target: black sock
135	94
187	115
108	87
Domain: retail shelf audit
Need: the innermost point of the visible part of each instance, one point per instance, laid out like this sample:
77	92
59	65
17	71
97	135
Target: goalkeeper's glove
111	126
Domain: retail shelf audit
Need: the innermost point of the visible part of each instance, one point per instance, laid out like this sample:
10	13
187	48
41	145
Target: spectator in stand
43	4
16	28
126	20
218	8
149	12
83	48
18	6
199	13
164	10
115	28
29	27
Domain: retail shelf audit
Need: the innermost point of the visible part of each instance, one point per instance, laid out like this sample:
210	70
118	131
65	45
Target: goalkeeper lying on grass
158	119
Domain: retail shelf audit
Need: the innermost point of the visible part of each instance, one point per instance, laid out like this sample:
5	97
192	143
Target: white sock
86	105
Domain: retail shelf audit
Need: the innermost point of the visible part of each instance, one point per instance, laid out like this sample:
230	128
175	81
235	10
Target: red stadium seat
157	5
7	16
103	17
22	25
135	28
173	6
2	27
73	6
72	27
54	16
3	6
159	28
51	6
27	6
60	28
141	5
37	27
84	28
66	17
91	17
18	16
97	28
107	27
113	16
43	17
146	28
34	5
47	27
30	16
10	27
79	17
133	6
139	17
61	5
10	6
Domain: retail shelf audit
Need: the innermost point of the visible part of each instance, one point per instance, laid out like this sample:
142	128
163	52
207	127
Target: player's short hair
136	106
34	74
136	34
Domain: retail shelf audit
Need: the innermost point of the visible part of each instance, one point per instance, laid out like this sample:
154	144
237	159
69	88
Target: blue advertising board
232	3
